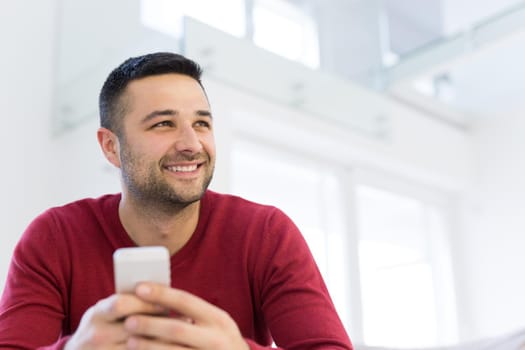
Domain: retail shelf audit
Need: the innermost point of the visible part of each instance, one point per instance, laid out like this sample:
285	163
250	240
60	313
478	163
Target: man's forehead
184	85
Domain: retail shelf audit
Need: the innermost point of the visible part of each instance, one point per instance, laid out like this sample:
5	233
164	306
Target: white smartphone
140	264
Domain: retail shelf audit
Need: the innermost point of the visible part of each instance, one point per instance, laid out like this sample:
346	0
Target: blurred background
391	131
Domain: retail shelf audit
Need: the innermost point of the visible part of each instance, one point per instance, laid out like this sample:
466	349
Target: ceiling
471	73
459	60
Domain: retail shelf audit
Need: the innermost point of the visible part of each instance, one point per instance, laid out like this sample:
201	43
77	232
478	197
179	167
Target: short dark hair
111	106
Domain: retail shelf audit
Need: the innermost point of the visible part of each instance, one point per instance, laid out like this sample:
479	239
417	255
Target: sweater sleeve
292	294
32	309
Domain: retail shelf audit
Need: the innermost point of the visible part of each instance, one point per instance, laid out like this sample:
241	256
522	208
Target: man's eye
163	123
202	124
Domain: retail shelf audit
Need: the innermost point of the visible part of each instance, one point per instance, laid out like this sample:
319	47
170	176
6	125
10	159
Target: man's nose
187	139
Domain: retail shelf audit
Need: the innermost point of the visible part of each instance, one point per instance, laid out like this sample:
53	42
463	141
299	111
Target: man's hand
201	325
102	325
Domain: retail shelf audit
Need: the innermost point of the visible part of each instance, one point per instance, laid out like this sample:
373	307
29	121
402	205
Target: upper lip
181	165
184	163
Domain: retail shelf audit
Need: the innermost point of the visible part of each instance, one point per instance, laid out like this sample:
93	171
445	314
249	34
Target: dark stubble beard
151	191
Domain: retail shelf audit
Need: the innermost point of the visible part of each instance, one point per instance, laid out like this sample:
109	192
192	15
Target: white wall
27	37
471	12
495	220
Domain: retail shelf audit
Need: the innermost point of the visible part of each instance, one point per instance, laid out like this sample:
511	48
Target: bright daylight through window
308	193
278	26
287	31
404	265
405	272
166	15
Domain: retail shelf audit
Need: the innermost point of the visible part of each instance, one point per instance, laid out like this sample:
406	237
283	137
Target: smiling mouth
183	168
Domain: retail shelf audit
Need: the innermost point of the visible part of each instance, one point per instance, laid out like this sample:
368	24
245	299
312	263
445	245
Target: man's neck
147	225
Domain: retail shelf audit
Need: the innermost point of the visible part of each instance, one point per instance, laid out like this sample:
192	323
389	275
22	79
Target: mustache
186	157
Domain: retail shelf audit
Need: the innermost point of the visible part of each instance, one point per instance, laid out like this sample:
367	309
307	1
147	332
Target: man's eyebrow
171	112
203	113
154	114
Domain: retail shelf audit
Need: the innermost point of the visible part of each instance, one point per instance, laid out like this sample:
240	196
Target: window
307	192
284	29
166	15
402	292
268	177
406	277
278	26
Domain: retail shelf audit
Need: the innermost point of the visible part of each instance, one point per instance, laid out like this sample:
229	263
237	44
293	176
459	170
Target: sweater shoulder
238	206
85	206
82	209
80	215
236	214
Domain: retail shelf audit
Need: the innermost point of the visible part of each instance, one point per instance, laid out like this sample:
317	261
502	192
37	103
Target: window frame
446	318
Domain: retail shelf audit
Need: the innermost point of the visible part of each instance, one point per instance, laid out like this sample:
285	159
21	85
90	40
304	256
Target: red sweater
247	259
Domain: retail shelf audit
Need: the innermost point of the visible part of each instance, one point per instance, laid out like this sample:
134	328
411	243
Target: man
242	275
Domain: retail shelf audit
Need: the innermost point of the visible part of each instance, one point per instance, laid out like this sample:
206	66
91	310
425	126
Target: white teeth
186	168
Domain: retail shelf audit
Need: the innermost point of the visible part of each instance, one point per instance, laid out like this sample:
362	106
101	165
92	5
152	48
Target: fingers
102	325
187	304
99	328
136	343
100	335
119	306
150	330
210	326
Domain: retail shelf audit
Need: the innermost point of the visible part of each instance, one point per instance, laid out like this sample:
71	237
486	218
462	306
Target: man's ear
110	146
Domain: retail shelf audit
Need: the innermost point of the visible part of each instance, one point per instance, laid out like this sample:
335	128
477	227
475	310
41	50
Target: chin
189	197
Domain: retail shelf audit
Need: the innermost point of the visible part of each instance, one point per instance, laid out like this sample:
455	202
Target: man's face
167	148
